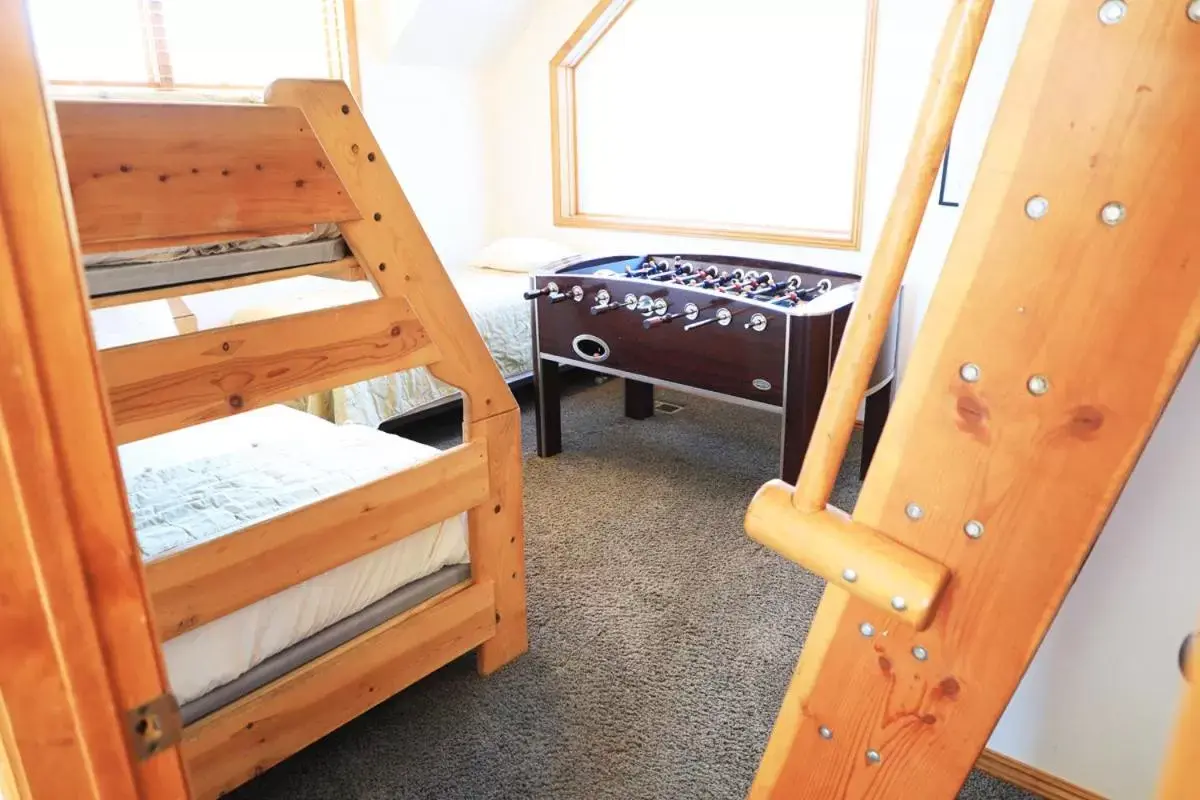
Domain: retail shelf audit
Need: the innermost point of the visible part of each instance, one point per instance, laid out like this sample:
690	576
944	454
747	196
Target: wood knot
972	415
195	170
395	330
225	173
164	178
1085	422
496	509
354	149
225	346
370	156
948	688
249	726
320	164
126	168
300	183
258	167
235	401
378	216
928	719
885	664
382	267
345	109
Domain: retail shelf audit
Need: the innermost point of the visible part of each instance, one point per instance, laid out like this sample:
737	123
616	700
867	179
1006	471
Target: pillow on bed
520	254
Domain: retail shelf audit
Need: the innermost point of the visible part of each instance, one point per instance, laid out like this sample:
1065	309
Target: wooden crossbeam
184	172
1029	396
208	581
159	386
241	740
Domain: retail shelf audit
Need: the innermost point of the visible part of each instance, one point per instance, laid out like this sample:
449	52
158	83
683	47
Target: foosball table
747	331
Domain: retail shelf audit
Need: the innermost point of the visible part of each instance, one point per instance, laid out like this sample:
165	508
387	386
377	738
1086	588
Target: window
214	46
732	118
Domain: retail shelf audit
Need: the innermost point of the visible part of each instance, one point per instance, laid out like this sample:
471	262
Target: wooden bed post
396	254
79	649
1065	314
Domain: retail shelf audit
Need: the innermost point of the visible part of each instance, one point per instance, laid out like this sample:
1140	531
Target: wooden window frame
565	149
158	58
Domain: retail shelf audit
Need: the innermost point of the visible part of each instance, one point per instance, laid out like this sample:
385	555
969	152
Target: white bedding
212	479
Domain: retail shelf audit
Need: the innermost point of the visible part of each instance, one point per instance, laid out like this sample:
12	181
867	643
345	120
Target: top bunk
172	198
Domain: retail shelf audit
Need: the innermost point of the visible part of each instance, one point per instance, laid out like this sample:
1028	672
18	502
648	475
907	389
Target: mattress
210	480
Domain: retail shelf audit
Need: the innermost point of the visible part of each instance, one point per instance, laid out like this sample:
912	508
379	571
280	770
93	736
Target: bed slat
218	577
164	385
241	740
143	174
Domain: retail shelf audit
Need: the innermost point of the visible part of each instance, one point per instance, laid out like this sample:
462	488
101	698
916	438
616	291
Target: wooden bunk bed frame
145	175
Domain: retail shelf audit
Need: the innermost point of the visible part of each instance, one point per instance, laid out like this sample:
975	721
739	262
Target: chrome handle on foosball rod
722	317
574	293
549	288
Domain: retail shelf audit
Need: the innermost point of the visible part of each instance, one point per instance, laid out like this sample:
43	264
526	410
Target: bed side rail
210	580
153	174
163	385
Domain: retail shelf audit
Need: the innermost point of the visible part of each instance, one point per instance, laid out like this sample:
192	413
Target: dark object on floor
662	638
746	331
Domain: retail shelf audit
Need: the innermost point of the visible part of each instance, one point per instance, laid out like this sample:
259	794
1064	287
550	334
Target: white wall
1097	705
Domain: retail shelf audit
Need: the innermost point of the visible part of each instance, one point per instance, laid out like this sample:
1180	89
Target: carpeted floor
662	638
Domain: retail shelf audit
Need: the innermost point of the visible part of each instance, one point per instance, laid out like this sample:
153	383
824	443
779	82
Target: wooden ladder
1065	314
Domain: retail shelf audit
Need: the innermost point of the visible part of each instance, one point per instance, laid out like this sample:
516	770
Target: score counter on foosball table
747	331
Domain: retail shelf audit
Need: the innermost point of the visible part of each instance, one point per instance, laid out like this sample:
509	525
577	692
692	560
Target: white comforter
206	481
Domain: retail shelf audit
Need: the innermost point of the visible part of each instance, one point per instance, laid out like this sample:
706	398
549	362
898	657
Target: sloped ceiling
446	33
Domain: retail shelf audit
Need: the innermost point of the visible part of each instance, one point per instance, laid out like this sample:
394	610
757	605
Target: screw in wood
849	575
873	757
866	629
1112	11
825	733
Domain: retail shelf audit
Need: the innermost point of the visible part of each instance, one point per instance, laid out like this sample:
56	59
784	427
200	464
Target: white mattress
493	299
206	481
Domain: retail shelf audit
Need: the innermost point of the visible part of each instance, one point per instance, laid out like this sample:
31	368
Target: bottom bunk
260	682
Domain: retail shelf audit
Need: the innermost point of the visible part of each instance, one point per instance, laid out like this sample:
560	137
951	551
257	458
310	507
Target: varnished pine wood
388	240
210	580
1032	779
497	538
1181	766
162	385
564	149
343	269
1017	297
185	320
78	640
872	310
152	171
241	740
118	246
828	543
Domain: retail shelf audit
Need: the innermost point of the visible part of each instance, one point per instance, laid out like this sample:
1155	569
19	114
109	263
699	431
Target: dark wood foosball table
758	333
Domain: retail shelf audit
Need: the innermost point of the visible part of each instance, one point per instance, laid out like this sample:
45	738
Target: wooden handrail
869	319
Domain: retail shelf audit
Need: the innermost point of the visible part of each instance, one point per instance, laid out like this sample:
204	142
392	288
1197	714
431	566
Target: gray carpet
662	638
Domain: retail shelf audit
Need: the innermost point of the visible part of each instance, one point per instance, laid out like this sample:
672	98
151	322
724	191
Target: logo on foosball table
761	384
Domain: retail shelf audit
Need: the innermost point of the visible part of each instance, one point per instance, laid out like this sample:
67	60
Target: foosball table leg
639	399
548	407
878	404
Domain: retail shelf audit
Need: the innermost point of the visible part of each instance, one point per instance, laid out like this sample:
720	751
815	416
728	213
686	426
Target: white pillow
520	254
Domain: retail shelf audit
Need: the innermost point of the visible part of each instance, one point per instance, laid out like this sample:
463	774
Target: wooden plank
162	171
213	579
242	740
168	384
343	269
79	644
1018	298
1032	779
1181	767
185	320
118	246
497	538
13	785
387	239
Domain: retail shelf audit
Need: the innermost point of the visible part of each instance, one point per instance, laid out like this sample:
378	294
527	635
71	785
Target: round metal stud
873	757
920	653
1112	11
1038	385
849	575
899	603
867	629
825	732
914	511
1112	214
1194	11
973	529
969	372
1037	207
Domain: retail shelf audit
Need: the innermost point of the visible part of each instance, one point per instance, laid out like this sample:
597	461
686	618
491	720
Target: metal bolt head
849	575
866	629
1112	11
825	732
1193	11
920	653
1038	385
873	757
969	372
1112	214
973	529
914	511
1037	207
899	603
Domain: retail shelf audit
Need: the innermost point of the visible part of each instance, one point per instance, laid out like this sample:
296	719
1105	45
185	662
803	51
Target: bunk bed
298	572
